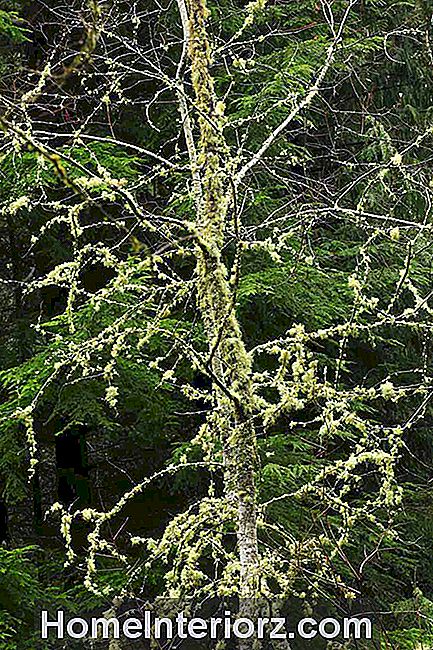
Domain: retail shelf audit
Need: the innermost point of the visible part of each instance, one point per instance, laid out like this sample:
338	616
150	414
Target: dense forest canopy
216	309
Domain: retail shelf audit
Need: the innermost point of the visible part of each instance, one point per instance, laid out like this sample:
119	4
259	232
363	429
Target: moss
230	363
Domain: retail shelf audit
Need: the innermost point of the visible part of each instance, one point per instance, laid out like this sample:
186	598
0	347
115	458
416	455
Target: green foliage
28	171
409	639
299	293
20	591
31	580
10	27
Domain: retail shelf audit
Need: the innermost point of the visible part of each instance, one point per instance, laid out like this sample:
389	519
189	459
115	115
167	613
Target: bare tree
192	239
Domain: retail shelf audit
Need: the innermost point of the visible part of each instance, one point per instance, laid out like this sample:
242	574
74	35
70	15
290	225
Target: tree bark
229	361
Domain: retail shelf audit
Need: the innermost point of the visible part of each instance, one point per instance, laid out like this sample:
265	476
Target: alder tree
211	161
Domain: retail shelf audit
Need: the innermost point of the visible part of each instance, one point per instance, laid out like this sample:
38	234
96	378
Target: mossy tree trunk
229	362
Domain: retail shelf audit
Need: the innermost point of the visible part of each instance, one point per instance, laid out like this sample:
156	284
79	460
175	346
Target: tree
176	215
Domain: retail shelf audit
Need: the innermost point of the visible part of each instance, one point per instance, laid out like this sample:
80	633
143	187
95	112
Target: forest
216	314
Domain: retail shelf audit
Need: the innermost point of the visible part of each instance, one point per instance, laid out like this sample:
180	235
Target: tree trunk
229	362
